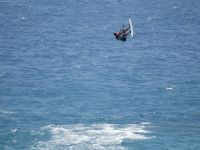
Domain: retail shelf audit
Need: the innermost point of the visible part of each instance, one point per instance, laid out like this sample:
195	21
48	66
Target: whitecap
175	7
23	18
13	130
6	112
170	87
151	18
95	136
78	66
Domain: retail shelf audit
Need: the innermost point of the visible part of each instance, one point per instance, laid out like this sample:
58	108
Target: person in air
123	33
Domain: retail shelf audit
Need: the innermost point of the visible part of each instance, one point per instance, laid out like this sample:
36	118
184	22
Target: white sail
131	26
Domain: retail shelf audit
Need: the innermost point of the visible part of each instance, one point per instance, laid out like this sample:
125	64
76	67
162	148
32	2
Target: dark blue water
66	83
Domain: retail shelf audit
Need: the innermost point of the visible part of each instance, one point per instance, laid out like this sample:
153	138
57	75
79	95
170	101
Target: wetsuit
120	36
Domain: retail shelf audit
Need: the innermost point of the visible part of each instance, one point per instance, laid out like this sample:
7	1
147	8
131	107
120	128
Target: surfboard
131	26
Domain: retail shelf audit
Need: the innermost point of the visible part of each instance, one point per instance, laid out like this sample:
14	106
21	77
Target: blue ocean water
67	84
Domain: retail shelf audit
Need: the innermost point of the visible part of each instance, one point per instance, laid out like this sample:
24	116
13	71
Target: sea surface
67	84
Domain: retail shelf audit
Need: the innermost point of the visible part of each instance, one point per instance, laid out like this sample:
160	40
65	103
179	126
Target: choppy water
66	83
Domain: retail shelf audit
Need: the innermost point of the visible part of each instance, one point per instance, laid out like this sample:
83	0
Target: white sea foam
13	130
23	18
175	7
6	112
169	88
91	137
151	18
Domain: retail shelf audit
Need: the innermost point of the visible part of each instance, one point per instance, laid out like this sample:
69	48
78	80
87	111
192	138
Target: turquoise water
66	83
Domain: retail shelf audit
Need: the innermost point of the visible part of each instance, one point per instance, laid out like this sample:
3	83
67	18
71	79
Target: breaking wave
91	137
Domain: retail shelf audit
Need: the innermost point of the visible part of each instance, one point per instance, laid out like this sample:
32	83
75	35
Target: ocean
66	83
